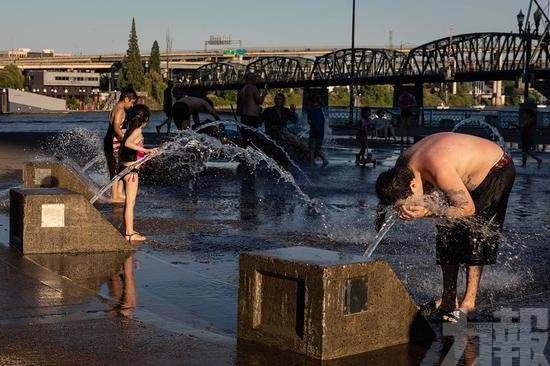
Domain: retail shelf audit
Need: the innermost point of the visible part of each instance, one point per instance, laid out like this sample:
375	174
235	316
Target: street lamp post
352	71
527	36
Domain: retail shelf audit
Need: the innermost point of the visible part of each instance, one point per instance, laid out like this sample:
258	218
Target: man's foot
454	316
430	308
158	130
462	312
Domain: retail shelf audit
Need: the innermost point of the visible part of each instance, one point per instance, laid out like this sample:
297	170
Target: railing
444	118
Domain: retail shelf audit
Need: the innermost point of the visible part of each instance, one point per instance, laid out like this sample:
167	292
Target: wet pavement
175	300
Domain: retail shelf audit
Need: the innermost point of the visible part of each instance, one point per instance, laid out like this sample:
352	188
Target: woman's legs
131	182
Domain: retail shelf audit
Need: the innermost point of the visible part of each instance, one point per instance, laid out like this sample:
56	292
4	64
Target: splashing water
79	145
386	226
263	134
117	177
93	162
495	135
188	152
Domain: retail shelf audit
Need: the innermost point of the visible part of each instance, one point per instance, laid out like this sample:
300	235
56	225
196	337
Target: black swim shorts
475	240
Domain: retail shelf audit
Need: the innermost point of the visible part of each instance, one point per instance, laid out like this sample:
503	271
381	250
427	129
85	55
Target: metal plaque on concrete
43	177
53	215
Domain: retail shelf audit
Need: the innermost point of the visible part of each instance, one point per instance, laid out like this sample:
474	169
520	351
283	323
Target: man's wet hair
365	112
394	185
129	93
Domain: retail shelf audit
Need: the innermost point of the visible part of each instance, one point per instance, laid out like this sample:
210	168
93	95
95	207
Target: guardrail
433	117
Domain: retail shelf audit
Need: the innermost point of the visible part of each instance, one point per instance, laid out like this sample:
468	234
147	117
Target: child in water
362	135
316	120
131	150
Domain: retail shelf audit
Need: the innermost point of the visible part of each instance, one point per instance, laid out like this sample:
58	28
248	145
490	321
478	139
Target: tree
11	77
154	60
154	85
132	69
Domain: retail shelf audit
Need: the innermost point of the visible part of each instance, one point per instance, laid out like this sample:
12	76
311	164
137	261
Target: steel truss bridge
466	57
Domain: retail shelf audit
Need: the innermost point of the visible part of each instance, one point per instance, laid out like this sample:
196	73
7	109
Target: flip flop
455	314
139	237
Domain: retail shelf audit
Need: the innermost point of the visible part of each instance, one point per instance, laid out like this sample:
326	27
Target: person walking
527	127
167	107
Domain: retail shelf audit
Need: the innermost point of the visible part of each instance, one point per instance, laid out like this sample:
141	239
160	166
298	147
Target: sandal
135	236
453	316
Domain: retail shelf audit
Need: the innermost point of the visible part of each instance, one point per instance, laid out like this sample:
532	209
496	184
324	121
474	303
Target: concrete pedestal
50	174
53	220
323	304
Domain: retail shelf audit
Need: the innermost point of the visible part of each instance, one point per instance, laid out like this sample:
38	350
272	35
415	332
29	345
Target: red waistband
501	163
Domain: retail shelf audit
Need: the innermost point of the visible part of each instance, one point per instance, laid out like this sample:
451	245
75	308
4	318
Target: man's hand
412	212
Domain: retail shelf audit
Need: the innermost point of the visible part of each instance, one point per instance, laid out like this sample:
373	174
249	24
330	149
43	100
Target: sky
103	26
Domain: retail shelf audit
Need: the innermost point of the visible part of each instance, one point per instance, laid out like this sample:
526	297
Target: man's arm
211	111
118	120
258	97
449	182
460	200
292	115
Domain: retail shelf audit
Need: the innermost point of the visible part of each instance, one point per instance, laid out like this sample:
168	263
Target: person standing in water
476	177
131	151
115	133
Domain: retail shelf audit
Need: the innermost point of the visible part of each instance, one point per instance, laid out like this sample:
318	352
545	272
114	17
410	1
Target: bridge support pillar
496	100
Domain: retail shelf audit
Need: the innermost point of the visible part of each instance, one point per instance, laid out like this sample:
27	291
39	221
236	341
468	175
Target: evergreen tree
11	77
154	60
132	69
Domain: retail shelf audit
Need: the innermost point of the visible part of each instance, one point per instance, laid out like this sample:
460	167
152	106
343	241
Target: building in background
64	84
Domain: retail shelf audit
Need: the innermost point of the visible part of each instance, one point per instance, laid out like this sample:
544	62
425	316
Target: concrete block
54	220
57	174
323	304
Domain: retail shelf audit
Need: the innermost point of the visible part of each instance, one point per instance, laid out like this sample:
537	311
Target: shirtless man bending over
186	107
476	177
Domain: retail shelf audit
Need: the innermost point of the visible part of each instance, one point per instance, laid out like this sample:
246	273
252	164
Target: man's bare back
251	100
471	157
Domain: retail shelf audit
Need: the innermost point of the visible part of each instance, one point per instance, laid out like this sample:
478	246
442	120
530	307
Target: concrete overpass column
496	99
